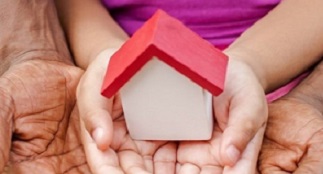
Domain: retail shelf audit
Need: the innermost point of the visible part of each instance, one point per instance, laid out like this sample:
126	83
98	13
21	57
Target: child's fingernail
97	134
233	153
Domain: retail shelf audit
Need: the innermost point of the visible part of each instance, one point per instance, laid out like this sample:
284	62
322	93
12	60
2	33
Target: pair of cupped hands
44	129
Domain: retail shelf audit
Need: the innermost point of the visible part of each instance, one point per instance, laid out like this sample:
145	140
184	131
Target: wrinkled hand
38	133
294	137
240	114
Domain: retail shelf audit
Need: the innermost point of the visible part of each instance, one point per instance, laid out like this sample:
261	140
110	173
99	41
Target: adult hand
37	91
241	113
294	138
37	98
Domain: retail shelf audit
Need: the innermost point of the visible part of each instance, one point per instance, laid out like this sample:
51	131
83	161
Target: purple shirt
218	21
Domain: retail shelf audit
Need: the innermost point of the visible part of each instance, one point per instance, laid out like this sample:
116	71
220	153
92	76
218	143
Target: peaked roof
173	43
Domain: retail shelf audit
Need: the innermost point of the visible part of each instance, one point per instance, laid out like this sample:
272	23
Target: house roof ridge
168	39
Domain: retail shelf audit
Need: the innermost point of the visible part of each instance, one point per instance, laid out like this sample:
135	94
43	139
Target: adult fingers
276	158
312	161
6	115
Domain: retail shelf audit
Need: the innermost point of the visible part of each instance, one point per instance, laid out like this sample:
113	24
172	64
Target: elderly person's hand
294	136
38	131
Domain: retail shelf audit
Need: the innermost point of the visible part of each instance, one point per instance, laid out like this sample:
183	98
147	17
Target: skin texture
38	130
241	111
126	155
119	153
129	156
293	140
37	86
37	100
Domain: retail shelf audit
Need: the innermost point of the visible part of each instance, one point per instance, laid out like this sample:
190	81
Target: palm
127	155
204	156
198	156
240	114
37	98
130	156
293	140
144	152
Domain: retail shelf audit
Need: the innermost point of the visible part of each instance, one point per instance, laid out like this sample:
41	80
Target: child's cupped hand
241	112
107	143
240	117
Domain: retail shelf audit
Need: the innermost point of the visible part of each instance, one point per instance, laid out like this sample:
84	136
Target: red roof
176	45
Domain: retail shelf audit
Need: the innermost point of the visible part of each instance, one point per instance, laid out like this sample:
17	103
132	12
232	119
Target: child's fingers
245	119
95	109
100	162
248	162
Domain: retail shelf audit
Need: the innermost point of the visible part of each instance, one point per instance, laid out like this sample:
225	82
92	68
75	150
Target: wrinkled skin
39	133
293	140
37	99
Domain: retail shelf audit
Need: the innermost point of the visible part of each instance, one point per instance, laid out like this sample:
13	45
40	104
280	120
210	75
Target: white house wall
161	104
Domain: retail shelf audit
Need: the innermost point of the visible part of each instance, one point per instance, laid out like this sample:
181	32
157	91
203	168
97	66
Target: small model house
166	75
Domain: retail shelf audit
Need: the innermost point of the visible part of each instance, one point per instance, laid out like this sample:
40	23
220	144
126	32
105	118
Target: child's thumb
95	110
244	123
98	123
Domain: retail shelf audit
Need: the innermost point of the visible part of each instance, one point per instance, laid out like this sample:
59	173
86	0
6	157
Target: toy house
166	75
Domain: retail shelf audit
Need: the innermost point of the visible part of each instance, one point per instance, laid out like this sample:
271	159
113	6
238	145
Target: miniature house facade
166	75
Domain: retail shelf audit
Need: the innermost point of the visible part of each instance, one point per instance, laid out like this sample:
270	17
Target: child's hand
107	143
240	111
95	110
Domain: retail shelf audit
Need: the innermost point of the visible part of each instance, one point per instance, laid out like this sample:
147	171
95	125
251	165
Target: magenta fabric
218	21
